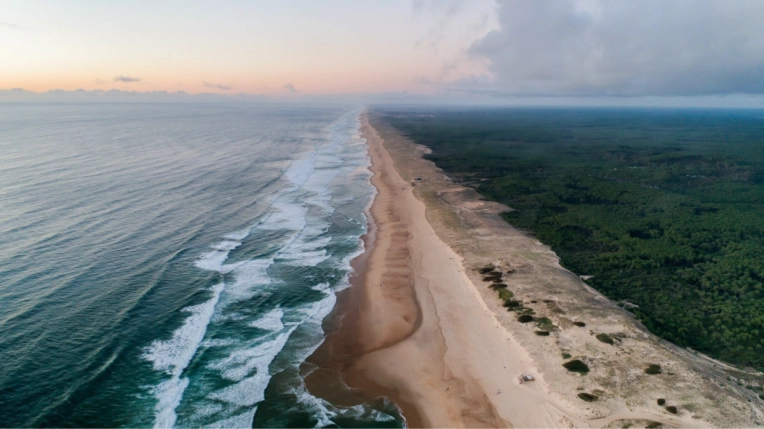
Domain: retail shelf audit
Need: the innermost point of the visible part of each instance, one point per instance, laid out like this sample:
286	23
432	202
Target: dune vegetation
662	208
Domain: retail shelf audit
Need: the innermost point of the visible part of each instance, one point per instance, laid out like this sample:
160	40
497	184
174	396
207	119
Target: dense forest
664	208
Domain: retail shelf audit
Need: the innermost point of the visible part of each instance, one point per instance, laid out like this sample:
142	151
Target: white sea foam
173	356
237	235
248	389
249	278
303	210
218	342
300	170
271	321
168	394
308	249
324	412
213	261
226	246
285	215
243	420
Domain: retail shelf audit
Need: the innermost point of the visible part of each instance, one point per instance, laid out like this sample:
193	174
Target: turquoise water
170	265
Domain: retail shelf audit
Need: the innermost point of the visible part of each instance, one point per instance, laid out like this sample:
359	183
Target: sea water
170	265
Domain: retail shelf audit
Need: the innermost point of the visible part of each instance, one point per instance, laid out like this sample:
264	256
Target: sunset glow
252	48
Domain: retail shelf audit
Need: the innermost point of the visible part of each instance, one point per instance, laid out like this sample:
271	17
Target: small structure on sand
525	378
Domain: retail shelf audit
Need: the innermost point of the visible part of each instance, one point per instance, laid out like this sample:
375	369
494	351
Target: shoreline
333	375
389	335
420	327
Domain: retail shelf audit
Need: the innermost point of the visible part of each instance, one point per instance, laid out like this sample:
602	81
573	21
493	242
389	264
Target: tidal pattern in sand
171	265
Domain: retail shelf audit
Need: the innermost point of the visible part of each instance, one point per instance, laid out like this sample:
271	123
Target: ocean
170	265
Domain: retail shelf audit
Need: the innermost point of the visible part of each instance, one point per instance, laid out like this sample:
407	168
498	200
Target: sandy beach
421	327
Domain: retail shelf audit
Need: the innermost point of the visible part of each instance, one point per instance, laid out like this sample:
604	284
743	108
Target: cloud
126	79
444	7
10	25
290	88
216	86
622	48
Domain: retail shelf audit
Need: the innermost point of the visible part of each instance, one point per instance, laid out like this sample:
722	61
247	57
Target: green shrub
505	294
661	401
492	275
525	318
653	425
487	269
605	338
511	303
653	369
587	397
576	366
566	356
497	286
761	396
542	333
672	409
579	324
545	324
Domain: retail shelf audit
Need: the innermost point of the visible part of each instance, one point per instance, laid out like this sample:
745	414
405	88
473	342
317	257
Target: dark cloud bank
623	48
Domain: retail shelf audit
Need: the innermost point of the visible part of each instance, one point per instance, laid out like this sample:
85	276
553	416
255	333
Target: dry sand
422	328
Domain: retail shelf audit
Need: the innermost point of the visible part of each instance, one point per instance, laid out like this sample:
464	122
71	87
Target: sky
550	51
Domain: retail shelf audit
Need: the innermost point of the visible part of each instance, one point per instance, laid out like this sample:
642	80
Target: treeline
663	207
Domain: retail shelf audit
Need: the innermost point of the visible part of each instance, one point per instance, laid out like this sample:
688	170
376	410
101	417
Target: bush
653	425
566	356
605	338
498	286
511	303
487	269
579	324
653	369
505	294
672	409
761	396
661	401
587	397
525	318
545	324
542	333
576	366
493	276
